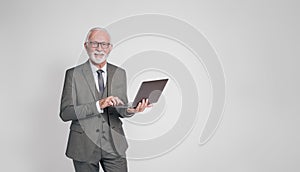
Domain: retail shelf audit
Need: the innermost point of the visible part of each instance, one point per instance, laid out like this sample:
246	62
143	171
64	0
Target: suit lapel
88	75
110	73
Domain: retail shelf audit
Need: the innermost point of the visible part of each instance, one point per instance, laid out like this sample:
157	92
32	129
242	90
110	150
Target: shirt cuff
98	107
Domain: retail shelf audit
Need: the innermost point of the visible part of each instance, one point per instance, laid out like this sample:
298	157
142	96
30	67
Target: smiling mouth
99	54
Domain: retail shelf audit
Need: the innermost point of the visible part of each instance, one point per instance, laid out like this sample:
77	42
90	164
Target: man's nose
99	48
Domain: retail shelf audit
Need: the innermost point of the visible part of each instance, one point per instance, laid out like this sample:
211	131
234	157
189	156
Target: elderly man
90	93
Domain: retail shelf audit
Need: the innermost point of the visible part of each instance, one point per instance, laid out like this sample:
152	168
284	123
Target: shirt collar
95	68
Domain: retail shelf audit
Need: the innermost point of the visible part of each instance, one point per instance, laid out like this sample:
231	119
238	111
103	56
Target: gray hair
96	29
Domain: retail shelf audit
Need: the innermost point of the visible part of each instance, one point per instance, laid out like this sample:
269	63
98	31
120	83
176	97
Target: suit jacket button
97	130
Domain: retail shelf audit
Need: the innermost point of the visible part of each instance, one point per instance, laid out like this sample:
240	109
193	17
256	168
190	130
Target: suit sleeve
69	110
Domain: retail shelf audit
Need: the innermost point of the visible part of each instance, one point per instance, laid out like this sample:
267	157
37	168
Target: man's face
98	46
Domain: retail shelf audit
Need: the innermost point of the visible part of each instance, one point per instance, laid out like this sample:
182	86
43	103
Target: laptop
150	90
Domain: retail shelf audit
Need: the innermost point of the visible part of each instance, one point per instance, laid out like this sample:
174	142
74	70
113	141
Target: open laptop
150	90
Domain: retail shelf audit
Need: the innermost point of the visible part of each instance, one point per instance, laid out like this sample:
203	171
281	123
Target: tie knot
100	71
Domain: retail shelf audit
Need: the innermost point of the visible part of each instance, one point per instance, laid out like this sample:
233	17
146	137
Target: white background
258	45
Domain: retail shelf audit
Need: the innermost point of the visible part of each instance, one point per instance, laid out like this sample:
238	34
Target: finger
119	101
113	100
138	107
141	105
131	110
150	105
108	101
144	104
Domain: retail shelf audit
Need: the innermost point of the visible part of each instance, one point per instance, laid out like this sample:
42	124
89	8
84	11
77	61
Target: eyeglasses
104	45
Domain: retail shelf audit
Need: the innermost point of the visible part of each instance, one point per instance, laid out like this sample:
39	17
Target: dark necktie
100	81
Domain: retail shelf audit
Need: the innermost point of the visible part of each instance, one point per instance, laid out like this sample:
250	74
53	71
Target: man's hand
140	107
110	101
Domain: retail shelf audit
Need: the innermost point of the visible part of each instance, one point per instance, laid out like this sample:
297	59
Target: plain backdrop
258	45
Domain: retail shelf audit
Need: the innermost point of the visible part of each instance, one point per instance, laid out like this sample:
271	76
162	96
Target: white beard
98	56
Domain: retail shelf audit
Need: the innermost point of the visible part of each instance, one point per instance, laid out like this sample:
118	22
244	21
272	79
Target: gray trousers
109	163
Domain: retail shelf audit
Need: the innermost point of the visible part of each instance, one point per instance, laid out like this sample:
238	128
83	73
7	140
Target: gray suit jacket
78	104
